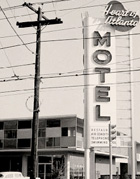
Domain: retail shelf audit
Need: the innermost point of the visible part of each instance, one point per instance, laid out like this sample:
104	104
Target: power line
65	76
64	73
48	2
15	66
12	7
85	7
17	45
58	30
76	8
44	2
21	5
8	60
62	40
15	31
66	86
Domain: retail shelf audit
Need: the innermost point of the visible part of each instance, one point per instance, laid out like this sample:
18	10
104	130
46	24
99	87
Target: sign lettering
119	18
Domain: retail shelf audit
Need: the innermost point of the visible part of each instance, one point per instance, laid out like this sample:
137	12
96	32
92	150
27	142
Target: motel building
60	149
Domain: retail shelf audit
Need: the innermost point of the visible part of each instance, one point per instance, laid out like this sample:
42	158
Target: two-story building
60	148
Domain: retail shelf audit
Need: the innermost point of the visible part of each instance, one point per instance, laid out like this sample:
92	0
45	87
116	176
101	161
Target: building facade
60	148
60	139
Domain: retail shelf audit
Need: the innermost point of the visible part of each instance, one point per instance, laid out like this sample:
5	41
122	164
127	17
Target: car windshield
1	175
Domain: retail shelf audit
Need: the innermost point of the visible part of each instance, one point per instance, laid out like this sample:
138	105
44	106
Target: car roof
9	172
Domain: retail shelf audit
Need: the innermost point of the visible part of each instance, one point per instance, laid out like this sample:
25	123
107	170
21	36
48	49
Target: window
68	131
41	143
24	124
42	133
65	131
80	131
10	143
1	125
72	131
1	144
53	142
10	124
58	165
23	143
45	159
10	134
42	123
53	123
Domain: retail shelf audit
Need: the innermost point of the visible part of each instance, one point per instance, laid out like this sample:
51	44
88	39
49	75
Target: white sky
61	56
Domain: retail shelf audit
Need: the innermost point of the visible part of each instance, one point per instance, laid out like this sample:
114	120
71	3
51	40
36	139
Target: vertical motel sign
100	82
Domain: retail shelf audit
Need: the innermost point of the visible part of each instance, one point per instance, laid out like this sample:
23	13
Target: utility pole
112	136
35	122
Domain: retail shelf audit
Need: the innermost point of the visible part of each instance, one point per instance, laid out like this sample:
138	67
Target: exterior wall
102	166
115	150
53	132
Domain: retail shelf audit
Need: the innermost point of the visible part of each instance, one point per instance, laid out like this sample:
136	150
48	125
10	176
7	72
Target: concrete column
92	164
24	165
67	168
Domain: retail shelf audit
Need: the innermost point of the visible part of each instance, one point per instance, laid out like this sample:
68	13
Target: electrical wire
8	60
55	74
69	72
13	7
76	8
66	76
85	7
21	5
16	32
62	40
69	28
67	86
10	9
15	66
48	2
28	11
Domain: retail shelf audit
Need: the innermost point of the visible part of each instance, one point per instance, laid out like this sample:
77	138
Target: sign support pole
132	111
110	151
92	163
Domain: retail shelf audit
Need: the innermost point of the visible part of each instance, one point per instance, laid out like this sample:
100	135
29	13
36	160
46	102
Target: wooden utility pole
34	156
35	122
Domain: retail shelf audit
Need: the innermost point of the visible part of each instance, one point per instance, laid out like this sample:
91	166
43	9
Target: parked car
12	175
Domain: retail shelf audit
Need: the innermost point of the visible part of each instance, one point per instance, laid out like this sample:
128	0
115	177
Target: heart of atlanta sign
119	18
